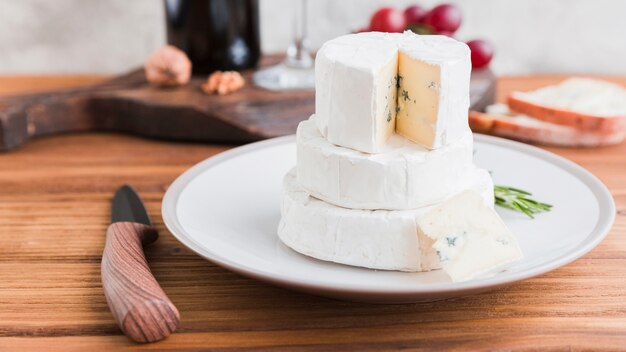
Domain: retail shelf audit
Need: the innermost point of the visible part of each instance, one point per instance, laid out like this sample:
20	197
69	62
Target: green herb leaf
518	200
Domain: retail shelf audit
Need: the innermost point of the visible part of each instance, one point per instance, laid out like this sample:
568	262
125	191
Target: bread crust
558	116
545	133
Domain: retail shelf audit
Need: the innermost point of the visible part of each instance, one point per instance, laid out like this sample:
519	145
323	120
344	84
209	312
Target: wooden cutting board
129	104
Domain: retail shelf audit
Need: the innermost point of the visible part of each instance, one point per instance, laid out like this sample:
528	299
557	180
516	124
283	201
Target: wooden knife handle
140	307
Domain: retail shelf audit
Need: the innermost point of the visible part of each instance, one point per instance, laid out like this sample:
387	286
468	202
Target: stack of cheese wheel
388	143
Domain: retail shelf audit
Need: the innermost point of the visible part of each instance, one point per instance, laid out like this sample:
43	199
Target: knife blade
140	306
127	206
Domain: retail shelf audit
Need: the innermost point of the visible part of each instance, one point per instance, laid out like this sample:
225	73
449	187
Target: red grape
388	19
482	52
446	17
414	14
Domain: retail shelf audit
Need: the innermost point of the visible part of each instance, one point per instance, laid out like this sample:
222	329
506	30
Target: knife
140	307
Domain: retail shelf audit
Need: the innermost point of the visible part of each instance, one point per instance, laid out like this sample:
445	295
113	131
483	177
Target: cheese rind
470	239
355	90
433	97
377	239
402	176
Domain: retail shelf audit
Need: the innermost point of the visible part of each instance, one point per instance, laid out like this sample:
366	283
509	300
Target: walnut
168	67
223	82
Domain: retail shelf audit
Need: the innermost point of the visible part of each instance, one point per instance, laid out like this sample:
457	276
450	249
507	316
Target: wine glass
297	70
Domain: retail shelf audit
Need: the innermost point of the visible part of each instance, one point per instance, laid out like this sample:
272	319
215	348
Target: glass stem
298	54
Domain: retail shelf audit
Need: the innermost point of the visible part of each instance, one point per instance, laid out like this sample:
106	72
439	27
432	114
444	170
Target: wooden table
55	198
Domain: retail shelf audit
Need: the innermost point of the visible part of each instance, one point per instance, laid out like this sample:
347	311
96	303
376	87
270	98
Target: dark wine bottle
215	34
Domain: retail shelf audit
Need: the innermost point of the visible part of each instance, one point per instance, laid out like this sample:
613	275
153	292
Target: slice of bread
500	121
582	103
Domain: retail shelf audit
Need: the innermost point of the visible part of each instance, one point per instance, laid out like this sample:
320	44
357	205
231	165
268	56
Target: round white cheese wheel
377	239
403	176
370	85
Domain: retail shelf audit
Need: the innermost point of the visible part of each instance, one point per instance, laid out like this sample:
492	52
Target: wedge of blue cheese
469	237
433	89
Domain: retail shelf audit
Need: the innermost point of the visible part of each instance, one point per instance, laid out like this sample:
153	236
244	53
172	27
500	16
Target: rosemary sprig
518	200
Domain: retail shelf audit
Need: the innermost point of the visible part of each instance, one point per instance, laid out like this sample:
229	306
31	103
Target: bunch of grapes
442	19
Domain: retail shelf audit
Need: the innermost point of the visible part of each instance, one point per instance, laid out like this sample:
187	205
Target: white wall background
531	36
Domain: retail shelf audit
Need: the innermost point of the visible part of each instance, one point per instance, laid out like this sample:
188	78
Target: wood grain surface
55	196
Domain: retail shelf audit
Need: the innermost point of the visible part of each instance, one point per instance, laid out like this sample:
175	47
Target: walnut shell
168	67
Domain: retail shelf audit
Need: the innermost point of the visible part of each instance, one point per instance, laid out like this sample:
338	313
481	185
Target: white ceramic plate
227	209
